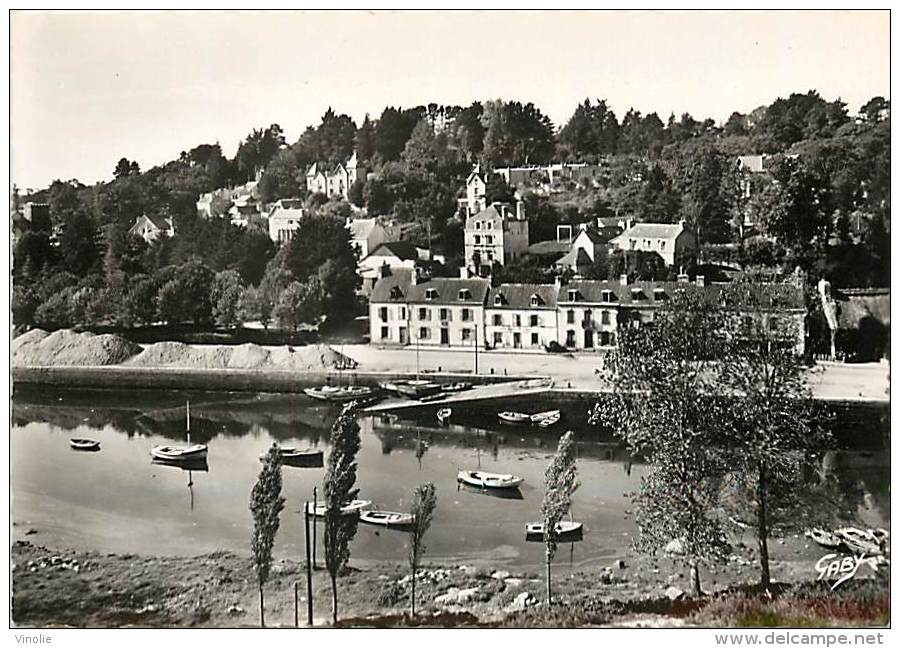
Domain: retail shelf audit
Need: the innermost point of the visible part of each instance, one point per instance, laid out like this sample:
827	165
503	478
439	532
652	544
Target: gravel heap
65	347
37	348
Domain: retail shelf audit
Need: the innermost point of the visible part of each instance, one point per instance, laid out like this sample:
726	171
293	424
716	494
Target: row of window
487	225
424	314
488	239
499	341
637	294
533	320
605	316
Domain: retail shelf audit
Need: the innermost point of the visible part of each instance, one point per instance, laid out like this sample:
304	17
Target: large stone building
436	312
582	315
284	219
497	234
521	316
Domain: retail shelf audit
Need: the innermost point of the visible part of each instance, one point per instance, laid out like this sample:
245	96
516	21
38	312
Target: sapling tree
560	481
665	406
775	428
422	509
338	487
266	504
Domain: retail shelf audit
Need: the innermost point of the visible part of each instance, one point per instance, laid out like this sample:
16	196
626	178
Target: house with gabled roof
151	228
669	241
334	182
521	316
496	234
386	259
437	312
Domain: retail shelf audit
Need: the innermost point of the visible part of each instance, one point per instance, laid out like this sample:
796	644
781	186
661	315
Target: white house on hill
151	228
665	239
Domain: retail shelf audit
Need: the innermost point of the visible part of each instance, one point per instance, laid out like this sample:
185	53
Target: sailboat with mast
181	453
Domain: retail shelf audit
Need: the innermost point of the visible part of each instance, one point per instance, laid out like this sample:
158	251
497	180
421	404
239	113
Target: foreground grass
804	605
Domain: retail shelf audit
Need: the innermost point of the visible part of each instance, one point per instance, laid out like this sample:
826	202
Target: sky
90	88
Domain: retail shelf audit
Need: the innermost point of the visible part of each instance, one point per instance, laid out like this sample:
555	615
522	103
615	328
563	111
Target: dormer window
660	294
637	294
498	300
465	294
536	300
606	296
478	225
574	295
396	293
431	294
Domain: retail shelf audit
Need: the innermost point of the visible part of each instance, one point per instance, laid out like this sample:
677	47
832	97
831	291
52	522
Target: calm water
116	500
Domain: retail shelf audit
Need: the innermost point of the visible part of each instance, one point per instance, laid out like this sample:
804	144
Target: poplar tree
560	481
422	510
266	504
338	487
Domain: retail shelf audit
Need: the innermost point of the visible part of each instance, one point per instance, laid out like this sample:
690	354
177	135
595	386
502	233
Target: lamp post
476	349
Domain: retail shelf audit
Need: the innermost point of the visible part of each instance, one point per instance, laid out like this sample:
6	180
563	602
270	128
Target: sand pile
178	354
249	356
314	357
65	347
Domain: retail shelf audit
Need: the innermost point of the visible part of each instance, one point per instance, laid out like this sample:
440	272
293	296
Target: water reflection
121	501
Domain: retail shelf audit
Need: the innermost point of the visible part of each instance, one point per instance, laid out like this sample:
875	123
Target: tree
422	509
339	489
299	303
226	297
516	134
774	433
185	295
393	129
139	305
664	407
592	131
78	247
266	504
254	153
560	481
709	187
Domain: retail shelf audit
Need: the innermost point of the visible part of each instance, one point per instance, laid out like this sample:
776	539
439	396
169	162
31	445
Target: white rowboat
351	508
387	519
514	418
565	530
179	453
488	480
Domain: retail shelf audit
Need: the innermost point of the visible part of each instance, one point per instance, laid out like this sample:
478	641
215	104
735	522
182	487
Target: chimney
413	276
701	280
520	210
683	278
623	279
463	272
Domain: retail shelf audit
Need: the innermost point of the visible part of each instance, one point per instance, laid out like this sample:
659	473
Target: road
828	380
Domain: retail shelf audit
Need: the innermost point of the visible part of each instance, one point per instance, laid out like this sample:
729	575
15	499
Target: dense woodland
823	206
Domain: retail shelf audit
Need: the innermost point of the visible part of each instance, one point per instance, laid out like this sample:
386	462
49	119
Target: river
117	500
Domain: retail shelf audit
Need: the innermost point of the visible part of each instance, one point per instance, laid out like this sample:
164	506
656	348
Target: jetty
511	389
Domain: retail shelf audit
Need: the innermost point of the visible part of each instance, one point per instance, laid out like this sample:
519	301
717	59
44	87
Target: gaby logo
842	568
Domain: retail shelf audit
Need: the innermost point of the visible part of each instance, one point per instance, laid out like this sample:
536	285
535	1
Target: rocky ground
67	588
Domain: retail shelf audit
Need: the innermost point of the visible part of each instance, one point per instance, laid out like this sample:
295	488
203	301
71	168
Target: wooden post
315	506
309	589
296	604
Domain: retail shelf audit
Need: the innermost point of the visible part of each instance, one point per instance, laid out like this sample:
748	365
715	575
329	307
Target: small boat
338	394
88	445
546	419
488	480
387	519
514	418
443	414
417	388
432	397
499	493
858	541
456	387
295	457
824	538
565	531
351	508
175	454
179	453
388	386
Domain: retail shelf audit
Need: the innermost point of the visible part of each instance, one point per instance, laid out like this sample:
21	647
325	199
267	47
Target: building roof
656	293
403	250
549	248
157	221
575	258
518	296
854	307
593	235
652	231
313	170
361	228
447	291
